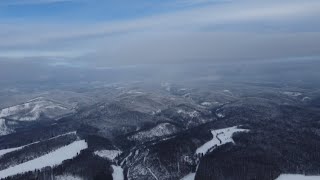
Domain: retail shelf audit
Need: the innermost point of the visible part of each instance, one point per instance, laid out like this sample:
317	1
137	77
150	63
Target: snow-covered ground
31	110
117	173
220	137
109	154
226	91
4	130
192	114
206	103
190	176
51	159
294	94
160	130
220	115
297	177
67	177
5	151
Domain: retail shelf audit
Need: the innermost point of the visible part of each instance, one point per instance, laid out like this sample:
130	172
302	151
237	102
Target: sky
127	32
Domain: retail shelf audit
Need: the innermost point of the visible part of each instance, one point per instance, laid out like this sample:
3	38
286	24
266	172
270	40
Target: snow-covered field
297	177
190	176
117	173
109	154
51	159
67	177
220	137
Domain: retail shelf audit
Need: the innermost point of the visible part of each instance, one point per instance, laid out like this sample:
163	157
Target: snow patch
4	130
117	173
220	137
134	92
53	158
192	114
156	112
160	130
190	176
297	177
108	154
294	94
220	115
67	177
206	103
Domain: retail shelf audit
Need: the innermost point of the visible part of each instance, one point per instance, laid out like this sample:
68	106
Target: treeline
36	150
85	165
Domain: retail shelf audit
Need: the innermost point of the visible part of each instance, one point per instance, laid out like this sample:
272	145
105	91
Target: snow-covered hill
34	109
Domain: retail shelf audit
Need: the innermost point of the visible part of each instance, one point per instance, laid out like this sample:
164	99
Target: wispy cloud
187	34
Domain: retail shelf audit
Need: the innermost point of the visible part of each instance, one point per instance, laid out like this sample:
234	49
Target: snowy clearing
51	159
297	177
190	176
67	177
117	173
109	154
160	130
5	151
220	137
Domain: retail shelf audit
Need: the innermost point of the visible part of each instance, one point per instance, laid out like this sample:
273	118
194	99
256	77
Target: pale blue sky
92	10
143	31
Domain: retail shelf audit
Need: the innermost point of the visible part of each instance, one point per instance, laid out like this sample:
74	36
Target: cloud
234	30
